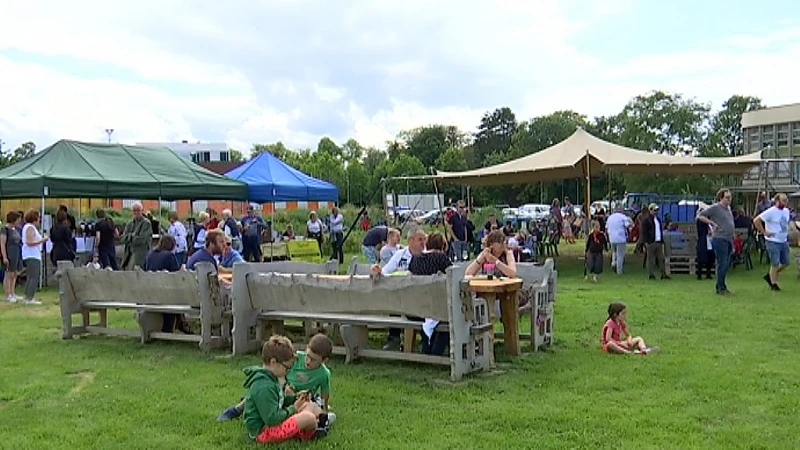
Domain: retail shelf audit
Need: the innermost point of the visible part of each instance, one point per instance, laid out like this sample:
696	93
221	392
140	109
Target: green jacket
137	237
265	400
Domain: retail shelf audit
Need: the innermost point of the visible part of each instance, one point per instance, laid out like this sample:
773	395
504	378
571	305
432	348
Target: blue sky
245	72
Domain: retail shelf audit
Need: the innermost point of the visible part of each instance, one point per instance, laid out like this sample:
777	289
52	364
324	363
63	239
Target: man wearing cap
653	238
252	226
720	217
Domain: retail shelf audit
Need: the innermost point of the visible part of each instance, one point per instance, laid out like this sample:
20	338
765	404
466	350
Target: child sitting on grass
308	373
271	413
615	328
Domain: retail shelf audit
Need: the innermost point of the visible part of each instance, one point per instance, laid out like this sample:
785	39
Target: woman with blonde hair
495	259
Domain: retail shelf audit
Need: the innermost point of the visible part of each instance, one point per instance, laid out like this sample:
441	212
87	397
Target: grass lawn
727	377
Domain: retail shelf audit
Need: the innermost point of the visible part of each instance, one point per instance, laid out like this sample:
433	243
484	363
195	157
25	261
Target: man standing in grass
774	225
720	217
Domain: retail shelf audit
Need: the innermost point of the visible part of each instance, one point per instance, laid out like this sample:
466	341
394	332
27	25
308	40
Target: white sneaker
331	419
11	299
16	297
32	301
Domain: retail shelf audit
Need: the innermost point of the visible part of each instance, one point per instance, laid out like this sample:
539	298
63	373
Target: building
776	132
198	152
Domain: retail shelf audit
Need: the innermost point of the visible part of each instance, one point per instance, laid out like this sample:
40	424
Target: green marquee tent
71	169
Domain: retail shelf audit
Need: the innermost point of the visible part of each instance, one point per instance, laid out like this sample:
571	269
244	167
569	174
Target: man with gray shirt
720	217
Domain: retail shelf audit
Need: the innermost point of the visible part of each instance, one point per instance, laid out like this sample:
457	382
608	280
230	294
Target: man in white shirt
618	226
337	234
774	225
399	262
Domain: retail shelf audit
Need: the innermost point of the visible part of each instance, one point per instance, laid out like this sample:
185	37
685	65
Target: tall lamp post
109	132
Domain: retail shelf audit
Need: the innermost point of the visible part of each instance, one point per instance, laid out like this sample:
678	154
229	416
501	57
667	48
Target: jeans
338	242
181	258
618	256
33	269
107	257
370	253
722	250
252	249
460	250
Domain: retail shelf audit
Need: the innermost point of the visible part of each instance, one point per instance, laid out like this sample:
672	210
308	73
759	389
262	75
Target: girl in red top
615	329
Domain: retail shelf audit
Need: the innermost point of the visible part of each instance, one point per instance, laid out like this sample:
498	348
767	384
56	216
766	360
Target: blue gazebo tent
269	179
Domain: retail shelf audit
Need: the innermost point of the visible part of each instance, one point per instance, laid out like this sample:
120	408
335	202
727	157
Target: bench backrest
423	296
359	268
84	284
532	276
329	268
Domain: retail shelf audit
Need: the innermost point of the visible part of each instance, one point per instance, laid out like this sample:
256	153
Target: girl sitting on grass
615	328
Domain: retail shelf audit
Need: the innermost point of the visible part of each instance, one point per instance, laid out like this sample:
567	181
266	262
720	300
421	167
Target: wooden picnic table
505	290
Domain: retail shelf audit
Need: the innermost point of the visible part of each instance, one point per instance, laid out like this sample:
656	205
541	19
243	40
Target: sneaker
651	277
32	301
665	277
320	433
229	414
594	278
775	287
768	280
653	349
330	418
11	299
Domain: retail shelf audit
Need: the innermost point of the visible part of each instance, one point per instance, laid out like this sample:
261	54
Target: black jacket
649	230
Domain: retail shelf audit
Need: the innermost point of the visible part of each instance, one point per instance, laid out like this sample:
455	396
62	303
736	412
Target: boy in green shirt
308	373
271	415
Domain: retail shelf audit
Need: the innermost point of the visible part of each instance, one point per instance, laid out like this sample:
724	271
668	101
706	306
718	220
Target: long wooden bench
359	302
196	294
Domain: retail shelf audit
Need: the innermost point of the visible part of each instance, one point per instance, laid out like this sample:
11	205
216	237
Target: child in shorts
308	373
271	415
615	329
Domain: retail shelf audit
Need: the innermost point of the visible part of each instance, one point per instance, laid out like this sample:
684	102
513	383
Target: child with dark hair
596	244
616	328
308	373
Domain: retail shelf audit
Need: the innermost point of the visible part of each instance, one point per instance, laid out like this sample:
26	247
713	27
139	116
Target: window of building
796	134
767	136
201	157
225	156
783	135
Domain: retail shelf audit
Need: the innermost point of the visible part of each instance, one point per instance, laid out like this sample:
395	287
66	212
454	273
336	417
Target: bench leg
148	323
354	338
409	336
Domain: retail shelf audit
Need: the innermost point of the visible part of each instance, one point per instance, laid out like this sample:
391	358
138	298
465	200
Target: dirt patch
85	378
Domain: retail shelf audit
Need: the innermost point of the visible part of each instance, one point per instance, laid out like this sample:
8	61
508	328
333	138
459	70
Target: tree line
657	122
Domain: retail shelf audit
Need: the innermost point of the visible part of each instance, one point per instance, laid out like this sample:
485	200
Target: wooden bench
359	302
197	294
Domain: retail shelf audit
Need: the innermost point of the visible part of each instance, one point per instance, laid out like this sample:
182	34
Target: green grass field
727	378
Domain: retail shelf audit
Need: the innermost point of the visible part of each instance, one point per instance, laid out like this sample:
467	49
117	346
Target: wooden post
588	188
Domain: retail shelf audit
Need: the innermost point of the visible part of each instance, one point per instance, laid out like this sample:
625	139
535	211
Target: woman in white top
314	229
200	230
32	242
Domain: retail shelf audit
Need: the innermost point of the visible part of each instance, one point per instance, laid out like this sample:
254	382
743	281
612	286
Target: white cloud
294	71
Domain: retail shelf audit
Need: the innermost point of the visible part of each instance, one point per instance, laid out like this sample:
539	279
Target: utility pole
109	132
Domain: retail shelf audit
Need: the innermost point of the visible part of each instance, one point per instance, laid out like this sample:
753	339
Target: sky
260	71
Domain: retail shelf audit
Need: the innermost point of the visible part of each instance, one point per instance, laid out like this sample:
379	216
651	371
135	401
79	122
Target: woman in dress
11	248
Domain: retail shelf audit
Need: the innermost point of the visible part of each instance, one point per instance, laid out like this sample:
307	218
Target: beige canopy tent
583	155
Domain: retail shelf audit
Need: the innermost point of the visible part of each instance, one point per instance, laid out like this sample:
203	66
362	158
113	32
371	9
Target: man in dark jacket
653	238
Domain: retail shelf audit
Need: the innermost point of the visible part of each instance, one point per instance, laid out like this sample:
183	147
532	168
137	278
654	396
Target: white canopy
568	159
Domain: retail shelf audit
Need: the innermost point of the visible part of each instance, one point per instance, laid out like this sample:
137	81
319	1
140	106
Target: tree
326	145
236	156
279	151
429	142
727	123
495	132
352	151
26	150
665	123
372	158
545	131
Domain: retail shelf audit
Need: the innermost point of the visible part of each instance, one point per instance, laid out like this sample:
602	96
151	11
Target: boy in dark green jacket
270	415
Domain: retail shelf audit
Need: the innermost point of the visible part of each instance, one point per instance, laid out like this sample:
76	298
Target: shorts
284	431
778	253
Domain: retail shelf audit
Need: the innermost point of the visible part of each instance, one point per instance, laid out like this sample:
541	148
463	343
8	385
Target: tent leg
588	189
42	279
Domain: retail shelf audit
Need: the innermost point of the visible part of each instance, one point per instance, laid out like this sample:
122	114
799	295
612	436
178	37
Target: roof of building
771	116
219	167
188	147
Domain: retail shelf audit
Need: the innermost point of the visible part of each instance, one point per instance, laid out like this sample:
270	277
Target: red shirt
616	330
212	224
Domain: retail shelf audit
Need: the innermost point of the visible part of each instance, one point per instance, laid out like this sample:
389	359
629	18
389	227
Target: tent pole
588	188
159	214
608	173
42	279
271	228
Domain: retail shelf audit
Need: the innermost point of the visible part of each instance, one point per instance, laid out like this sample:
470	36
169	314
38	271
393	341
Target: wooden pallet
680	265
